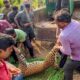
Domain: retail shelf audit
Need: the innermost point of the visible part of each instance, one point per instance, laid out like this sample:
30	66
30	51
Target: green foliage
57	76
1	3
49	74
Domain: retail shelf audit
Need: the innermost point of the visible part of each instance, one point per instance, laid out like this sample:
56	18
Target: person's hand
58	42
16	50
27	24
15	71
57	47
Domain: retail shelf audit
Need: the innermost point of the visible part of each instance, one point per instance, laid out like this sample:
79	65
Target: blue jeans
18	77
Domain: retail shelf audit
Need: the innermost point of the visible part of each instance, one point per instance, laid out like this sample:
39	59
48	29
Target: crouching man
8	71
21	37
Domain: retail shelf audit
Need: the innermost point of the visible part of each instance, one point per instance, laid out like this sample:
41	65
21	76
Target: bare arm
13	69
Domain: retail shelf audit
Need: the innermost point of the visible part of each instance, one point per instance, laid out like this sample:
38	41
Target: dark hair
10	31
6	43
14	8
27	5
63	16
5	1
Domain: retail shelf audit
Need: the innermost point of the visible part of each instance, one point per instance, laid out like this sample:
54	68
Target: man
70	42
21	38
23	19
8	71
11	16
7	8
23	5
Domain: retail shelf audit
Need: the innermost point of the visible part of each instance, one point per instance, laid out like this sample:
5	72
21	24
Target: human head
10	31
6	47
62	18
15	8
26	1
6	3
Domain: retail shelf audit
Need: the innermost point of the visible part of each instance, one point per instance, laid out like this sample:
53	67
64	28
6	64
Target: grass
49	74
45	75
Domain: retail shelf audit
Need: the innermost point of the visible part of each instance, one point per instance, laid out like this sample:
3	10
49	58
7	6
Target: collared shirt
4	73
3	25
70	40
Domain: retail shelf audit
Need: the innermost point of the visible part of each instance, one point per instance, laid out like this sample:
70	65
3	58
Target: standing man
21	38
23	19
11	16
7	8
70	42
23	5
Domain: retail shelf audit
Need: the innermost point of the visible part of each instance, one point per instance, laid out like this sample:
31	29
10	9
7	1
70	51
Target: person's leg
69	67
13	54
28	45
65	4
58	5
63	59
31	33
18	77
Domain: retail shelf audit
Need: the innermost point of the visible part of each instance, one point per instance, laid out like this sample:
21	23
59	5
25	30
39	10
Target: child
8	72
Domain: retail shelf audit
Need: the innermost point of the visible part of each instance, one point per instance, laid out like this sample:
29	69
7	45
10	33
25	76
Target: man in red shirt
8	71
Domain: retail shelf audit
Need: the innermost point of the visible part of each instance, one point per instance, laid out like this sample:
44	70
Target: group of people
16	29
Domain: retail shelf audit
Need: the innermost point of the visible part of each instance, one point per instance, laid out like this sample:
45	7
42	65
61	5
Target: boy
8	72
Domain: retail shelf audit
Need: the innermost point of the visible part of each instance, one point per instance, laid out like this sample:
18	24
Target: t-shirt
11	16
20	35
22	17
4	73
